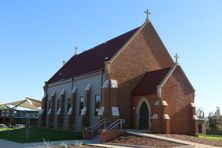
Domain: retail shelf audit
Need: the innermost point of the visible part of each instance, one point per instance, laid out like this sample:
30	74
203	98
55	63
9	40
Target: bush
215	120
213	132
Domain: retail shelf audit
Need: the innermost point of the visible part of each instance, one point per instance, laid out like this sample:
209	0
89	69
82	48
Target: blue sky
36	36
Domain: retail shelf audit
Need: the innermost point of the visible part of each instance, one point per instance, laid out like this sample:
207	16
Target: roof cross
76	50
147	14
177	58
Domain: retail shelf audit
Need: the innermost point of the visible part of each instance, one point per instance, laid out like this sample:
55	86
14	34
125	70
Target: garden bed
143	142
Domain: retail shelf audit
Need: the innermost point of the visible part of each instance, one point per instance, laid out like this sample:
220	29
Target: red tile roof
92	59
148	84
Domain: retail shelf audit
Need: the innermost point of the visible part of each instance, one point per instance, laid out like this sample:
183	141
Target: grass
38	134
211	137
6	129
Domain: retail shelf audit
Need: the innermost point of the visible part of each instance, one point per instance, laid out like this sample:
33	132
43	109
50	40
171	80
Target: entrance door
144	117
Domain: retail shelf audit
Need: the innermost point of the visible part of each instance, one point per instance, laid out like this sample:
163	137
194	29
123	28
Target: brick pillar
105	109
85	112
47	114
155	119
43	115
109	107
194	119
60	116
71	116
165	118
113	99
166	122
50	116
63	112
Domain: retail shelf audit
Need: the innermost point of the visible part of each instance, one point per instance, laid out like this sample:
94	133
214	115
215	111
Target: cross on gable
76	50
177	58
147	14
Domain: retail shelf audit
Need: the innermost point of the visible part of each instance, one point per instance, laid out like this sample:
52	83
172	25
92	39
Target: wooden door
144	117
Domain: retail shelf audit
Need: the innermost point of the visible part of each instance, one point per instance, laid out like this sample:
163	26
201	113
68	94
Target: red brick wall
144	53
151	99
108	135
179	94
157	125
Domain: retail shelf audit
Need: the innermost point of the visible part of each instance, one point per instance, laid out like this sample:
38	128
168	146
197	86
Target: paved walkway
9	144
94	142
189	144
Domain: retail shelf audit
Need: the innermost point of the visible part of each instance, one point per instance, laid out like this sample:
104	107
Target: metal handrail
118	122
97	125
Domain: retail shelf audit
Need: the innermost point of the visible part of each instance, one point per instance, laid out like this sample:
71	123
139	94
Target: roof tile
148	84
93	59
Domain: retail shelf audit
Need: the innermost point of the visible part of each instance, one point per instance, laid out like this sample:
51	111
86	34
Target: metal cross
147	14
76	50
177	57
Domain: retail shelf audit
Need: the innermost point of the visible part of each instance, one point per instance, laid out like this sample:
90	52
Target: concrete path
93	142
189	144
9	144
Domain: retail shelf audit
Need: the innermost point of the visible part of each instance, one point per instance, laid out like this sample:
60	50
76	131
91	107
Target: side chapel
130	77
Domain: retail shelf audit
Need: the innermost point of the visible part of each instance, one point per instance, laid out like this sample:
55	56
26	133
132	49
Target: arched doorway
144	117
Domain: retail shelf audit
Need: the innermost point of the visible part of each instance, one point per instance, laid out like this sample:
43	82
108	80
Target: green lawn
6	129
37	134
211	137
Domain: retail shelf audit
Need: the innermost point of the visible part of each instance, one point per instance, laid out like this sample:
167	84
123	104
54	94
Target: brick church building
130	77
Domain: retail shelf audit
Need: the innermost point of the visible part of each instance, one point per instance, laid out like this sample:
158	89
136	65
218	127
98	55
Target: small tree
215	120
